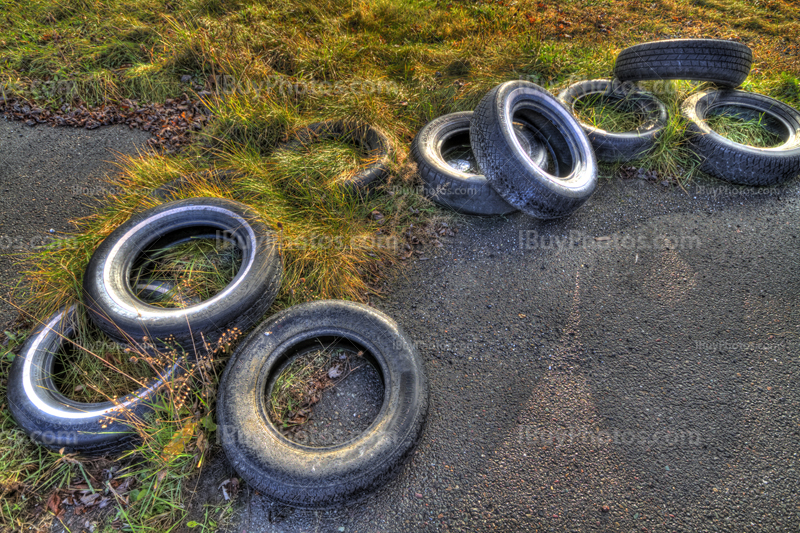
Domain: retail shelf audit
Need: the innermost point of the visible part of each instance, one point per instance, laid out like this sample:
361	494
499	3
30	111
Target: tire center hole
325	396
95	369
457	152
747	126
614	115
185	273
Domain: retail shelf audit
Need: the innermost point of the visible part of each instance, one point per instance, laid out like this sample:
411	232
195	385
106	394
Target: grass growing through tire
606	114
98	369
144	490
743	130
188	273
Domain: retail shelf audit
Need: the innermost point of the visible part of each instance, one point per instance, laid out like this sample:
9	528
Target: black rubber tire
55	422
620	147
511	173
739	163
372	142
463	192
725	63
171	189
114	307
301	476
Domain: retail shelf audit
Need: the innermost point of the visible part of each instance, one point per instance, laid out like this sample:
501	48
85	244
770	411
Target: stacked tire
519	150
725	64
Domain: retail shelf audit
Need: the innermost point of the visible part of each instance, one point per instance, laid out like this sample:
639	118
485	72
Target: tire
511	173
739	163
725	63
116	309
373	143
171	189
55	422
301	476
619	147
461	190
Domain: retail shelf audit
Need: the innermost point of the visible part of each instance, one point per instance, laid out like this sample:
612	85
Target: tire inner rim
547	126
455	150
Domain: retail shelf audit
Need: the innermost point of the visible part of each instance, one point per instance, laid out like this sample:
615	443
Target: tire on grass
302	476
549	193
114	306
739	163
725	63
462	189
374	144
619	147
171	189
54	421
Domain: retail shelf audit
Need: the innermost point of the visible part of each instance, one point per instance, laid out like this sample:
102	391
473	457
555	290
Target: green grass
269	68
97	370
609	115
188	272
744	130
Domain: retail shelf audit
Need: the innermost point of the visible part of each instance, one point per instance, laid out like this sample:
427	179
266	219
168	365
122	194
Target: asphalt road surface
631	368
48	177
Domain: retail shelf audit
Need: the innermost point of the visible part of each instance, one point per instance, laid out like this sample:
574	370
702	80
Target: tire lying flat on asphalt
372	142
463	189
619	147
726	63
739	163
302	476
115	308
508	169
54	421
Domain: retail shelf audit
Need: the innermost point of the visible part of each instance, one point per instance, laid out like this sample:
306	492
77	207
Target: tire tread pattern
725	63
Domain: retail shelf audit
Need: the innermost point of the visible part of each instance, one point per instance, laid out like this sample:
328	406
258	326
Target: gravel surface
49	176
346	410
631	368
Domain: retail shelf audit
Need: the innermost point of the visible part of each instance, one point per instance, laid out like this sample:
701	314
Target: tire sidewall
124	317
55	422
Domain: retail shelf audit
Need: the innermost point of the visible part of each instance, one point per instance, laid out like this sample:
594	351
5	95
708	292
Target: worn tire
114	307
619	147
511	173
374	144
52	420
463	192
301	476
725	63
739	163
